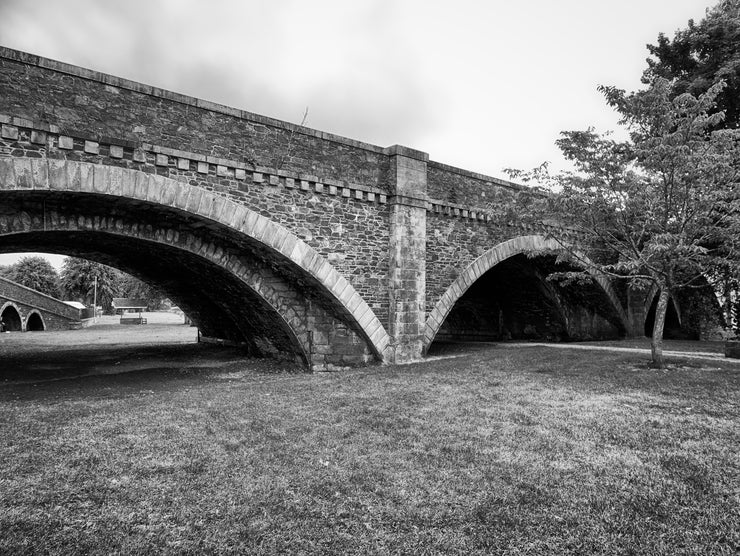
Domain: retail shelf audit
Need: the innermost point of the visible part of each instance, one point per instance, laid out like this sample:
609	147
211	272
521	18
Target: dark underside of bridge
222	304
515	301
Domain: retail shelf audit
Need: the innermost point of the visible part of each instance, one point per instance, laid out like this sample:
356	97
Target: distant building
123	305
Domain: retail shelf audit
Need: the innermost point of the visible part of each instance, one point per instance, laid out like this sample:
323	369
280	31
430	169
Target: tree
660	208
695	59
134	288
700	56
35	272
78	282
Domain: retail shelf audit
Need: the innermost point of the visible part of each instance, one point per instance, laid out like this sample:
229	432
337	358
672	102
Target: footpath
705	355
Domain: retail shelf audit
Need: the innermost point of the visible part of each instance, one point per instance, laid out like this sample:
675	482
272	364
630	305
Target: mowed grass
504	451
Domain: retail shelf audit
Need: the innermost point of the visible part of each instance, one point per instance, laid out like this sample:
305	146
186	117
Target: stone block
66	142
9	132
371	197
227	214
115	180
161	160
202	167
92	147
221	170
86	177
260	226
38	137
304	185
257	177
274	180
116	151
139	155
183	164
346	192
290	183
319	187
240	174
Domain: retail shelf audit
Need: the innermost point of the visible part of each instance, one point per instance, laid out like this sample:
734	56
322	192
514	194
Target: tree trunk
657	343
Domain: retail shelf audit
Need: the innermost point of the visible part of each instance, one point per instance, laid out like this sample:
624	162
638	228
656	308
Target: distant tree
700	56
660	208
35	272
134	288
78	282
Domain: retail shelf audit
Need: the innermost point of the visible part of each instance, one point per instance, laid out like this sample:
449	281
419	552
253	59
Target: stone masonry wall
452	185
56	314
453	243
347	225
330	191
99	106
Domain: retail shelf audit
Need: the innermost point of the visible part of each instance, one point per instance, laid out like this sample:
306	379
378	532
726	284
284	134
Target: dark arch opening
34	323
11	319
672	329
218	302
184	255
515	301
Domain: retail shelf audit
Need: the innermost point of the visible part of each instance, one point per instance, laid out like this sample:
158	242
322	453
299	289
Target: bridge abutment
407	249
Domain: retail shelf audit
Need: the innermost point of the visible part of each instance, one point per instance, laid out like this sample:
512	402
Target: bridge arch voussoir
15	309
494	256
61	175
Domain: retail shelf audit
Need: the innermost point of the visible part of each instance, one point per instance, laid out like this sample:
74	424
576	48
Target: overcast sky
480	84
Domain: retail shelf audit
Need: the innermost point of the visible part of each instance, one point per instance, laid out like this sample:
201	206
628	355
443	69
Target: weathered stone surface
371	249
23	302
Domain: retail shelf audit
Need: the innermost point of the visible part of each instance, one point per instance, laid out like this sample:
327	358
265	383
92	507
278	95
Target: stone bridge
294	242
25	310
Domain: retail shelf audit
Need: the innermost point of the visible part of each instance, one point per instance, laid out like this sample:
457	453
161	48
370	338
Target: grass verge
504	451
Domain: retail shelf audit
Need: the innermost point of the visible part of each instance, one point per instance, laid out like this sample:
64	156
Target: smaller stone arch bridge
23	309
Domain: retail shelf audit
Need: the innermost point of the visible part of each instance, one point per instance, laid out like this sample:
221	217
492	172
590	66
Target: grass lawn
504	451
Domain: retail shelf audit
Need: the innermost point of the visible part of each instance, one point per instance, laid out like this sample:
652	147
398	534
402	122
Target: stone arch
650	299
35	322
10	314
66	176
673	324
492	257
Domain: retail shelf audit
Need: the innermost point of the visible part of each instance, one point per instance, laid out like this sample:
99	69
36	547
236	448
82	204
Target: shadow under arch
491	258
651	302
35	322
70	183
11	317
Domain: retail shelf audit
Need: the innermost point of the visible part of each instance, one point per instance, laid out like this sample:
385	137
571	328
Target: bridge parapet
96	106
56	314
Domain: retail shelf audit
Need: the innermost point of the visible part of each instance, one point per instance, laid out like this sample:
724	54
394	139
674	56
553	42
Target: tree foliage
78	281
701	55
661	207
37	273
134	288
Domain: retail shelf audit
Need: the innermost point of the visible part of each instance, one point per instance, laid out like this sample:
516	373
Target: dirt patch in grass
504	451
